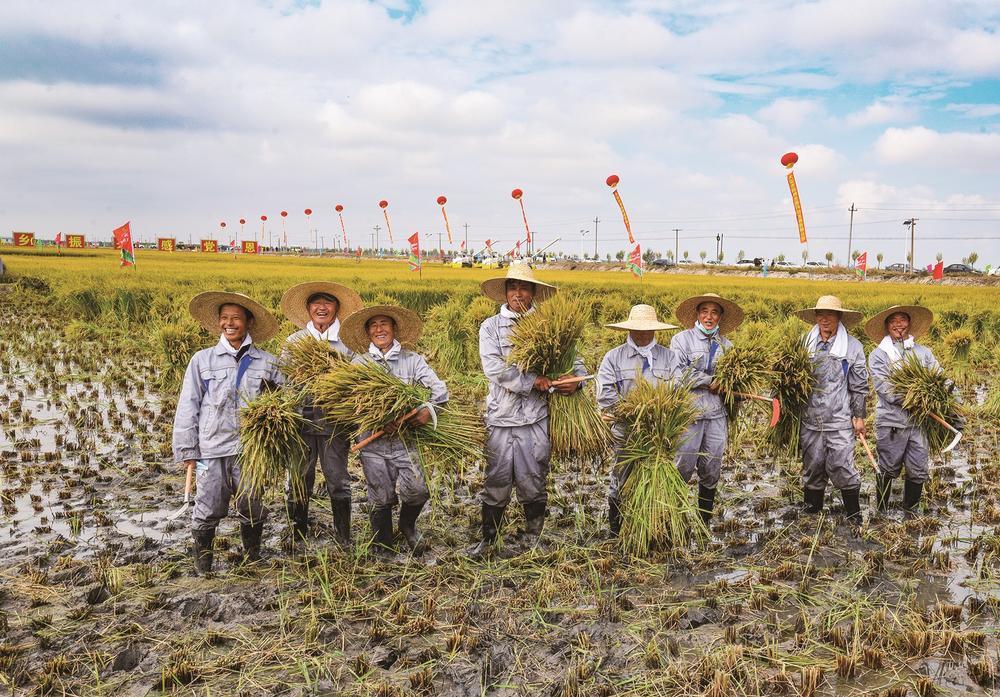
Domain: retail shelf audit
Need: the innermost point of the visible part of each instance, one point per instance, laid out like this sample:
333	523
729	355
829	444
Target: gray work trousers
517	457
828	455
218	481
900	447
332	451
701	451
389	465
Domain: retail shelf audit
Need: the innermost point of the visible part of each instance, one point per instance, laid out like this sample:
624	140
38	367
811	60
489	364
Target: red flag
939	271
861	265
414	241
635	262
462	246
488	246
123	243
518	246
59	243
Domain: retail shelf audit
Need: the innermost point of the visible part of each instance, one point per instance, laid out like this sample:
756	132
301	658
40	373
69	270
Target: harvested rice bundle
546	342
657	507
793	386
451	333
271	441
744	368
990	408
304	360
925	391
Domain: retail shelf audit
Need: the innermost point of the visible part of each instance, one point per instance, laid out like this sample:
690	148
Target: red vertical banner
250	247
75	242
518	196
166	244
24	239
939	271
635	262
415	262
124	244
861	265
211	246
788	160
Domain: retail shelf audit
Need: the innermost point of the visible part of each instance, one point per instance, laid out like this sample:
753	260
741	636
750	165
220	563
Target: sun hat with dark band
295	300
920	321
642	318
354	329
848	318
205	307
496	288
732	314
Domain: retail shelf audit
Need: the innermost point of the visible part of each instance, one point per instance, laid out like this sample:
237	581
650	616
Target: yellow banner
798	207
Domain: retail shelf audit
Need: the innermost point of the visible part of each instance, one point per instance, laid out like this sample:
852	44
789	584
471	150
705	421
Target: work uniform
517	421
704	444
218	382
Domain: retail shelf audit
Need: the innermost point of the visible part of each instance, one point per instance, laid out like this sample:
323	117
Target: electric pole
466	238
912	222
376	229
596	221
676	237
850	234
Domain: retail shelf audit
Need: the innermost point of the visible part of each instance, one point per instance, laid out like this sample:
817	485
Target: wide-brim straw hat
355	335
293	302
830	302
495	288
642	318
204	307
920	321
732	314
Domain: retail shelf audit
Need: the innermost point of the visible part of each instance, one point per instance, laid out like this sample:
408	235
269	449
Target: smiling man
318	309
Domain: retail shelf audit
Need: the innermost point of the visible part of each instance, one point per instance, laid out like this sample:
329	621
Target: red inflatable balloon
612	180
383	204
309	211
442	200
243	221
284	214
516	193
222	224
789	159
338	208
263	217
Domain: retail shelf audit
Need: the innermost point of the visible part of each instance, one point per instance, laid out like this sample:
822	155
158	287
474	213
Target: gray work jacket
317	425
698	355
512	399
622	366
841	387
888	408
215	388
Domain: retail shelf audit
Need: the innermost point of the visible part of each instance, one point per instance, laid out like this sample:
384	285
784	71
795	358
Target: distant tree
586	255
685	254
741	255
939	256
805	255
973	258
703	254
781	257
722	255
829	258
648	255
670	254
620	254
855	254
879	257
608	256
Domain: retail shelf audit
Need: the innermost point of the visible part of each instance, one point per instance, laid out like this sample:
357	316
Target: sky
178	116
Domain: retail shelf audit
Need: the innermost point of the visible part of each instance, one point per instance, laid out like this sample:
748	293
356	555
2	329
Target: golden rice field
97	595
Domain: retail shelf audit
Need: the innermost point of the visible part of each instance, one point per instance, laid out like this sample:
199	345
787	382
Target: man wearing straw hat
640	357
218	382
380	335
517	411
708	318
899	441
318	308
835	413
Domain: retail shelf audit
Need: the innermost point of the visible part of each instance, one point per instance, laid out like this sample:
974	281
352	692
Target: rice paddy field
97	595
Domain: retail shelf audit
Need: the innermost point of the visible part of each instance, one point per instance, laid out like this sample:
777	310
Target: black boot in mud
911	496
298	529
534	521
883	490
382	537
201	550
706	502
492	516
341	509
408	514
852	507
614	518
250	537
813	500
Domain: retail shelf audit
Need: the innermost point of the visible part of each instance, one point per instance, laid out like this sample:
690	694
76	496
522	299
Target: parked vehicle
960	268
685	261
662	264
896	267
713	262
746	262
462	261
815	264
995	271
784	265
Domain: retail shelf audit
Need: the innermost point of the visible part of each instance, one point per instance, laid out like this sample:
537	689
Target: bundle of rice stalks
989	410
657	508
745	368
959	342
451	336
925	391
793	386
304	360
546	342
271	443
177	342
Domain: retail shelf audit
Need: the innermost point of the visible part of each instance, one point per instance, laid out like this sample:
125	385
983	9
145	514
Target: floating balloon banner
517	195
612	181
384	205
788	160
284	233
263	219
441	201
340	213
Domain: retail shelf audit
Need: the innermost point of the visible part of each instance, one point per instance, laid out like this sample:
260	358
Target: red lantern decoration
243	221
338	208
309	211
442	200
516	194
263	217
383	204
222	224
284	214
789	159
612	180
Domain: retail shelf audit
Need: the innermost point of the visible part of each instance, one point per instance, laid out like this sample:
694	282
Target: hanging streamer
384	205
516	194
612	181
340	212
788	160
441	201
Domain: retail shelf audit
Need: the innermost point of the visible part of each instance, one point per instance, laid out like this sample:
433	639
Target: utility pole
376	229
912	222
596	221
676	237
850	234
322	244
466	238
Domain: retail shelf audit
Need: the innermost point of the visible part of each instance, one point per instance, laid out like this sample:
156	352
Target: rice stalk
745	368
793	386
305	359
925	391
271	443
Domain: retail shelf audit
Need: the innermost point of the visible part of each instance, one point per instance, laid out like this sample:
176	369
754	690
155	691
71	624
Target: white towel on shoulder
889	346
838	349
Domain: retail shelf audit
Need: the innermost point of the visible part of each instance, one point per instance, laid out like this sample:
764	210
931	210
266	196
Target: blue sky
178	116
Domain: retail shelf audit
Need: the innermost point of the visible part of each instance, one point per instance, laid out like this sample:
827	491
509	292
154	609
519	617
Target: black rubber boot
298	514
706	502
534	521
813	500
852	506
911	495
408	528
614	516
883	489
250	537
381	521
201	550
341	510
492	517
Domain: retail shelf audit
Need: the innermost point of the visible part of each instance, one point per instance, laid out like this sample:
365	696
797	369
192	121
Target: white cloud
881	112
975	111
787	114
924	146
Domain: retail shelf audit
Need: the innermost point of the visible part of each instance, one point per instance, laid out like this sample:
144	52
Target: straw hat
495	288
205	306
920	321
830	302
732	314
293	302
354	333
642	318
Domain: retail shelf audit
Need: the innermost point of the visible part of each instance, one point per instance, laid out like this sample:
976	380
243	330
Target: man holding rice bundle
318	309
708	318
218	382
518	447
641	357
836	410
377	335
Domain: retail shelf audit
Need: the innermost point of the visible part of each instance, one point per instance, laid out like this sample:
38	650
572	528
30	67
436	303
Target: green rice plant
744	368
657	507
176	342
305	359
546	342
793	386
271	445
925	391
449	336
959	342
990	408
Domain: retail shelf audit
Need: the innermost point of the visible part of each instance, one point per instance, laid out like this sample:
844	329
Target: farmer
218	382
699	347
378	335
640	357
835	413
517	411
318	308
899	441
